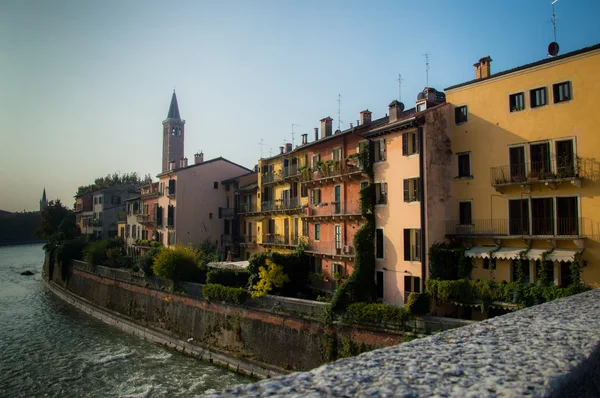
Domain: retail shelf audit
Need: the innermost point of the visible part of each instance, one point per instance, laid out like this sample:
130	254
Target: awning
230	265
508	253
479	251
556	255
535	254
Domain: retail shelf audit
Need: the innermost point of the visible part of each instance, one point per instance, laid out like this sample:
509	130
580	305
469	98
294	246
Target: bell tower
173	135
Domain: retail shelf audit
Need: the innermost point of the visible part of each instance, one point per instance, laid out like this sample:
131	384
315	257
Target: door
518	217
540	160
542	216
517	163
338	238
380	285
286	231
565	159
567	220
336	199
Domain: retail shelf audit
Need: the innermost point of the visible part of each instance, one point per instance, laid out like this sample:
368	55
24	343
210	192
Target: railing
144	218
248	208
348	207
553	168
227	239
561	226
270	177
291	171
281	204
228	212
334	169
247	239
275	239
330	248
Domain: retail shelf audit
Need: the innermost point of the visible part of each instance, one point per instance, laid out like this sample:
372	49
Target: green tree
57	224
269	277
180	263
115	179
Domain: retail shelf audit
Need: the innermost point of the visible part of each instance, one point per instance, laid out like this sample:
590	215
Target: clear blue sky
84	86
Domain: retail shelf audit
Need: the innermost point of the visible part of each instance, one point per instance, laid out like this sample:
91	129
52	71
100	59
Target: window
516	102
421	107
361	146
412	245
464	164
489	263
410	143
303	191
171	238
216	185
542	216
315	196
565	273
171	187
537	97
316	266
460	114
465	213
411	190
518	217
96	200
566	161
411	284
317	231
381	193
567	220
210	216
336	154
364	184
379	243
314	160
99	200
338	236
562	92
540	160
171	216
379	150
304	228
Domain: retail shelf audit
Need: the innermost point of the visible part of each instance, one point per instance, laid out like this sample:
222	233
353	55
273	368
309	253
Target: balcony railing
228	212
553	168
331	248
271	177
542	227
291	171
247	239
145	218
332	169
246	208
281	204
348	207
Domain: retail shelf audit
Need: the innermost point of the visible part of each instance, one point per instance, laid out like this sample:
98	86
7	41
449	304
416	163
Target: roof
132	199
248	187
232	179
174	108
527	66
202	164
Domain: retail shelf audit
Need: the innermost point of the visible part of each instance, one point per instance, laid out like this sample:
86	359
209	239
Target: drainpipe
423	205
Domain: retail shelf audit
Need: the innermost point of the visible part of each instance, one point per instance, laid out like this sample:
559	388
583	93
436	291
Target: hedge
375	313
233	295
417	304
228	277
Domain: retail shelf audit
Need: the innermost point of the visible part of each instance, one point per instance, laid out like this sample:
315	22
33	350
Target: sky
85	85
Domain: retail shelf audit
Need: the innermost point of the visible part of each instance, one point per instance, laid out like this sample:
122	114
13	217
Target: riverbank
28	242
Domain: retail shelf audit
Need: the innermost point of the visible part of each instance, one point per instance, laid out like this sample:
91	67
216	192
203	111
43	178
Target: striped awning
508	253
479	251
556	255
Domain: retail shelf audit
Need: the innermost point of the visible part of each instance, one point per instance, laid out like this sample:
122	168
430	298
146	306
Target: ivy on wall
448	262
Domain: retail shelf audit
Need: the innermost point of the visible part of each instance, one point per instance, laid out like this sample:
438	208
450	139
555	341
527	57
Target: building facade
526	179
108	207
84	214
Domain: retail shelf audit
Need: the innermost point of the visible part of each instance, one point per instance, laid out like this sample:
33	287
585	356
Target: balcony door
565	159
540	159
286	230
567	216
518	217
542	216
338	237
336	199
517	163
295	230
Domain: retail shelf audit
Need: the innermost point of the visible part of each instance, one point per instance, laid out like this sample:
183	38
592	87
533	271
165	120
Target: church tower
44	201
173	134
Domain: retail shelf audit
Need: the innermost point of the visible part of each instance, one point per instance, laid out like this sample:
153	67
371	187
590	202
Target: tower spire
174	108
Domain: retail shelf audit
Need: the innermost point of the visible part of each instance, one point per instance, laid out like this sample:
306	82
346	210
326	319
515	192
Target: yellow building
281	200
526	179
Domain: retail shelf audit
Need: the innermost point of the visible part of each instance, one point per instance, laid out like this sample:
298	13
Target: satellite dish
553	49
401	106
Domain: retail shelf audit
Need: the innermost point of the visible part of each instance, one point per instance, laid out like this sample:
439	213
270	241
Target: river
50	349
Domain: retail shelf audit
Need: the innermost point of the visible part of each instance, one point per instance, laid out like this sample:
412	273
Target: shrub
375	313
145	261
179	263
417	304
96	253
295	266
233	295
228	277
271	276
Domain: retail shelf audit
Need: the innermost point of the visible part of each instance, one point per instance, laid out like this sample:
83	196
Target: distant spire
174	108
44	196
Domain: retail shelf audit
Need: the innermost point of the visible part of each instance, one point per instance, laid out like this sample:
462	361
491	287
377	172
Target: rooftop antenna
553	47
400	87
293	124
339	100
261	147
270	149
426	70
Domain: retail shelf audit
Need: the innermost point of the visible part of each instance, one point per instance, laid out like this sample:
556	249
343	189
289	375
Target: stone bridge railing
551	349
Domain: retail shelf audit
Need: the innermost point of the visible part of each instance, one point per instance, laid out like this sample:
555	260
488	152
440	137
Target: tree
270	276
180	263
115	179
57	223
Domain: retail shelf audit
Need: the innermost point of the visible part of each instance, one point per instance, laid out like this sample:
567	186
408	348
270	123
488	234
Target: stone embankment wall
284	333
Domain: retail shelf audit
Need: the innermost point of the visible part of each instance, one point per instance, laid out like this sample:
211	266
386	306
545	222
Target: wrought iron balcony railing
281	204
246	208
551	169
332	248
542	227
145	218
348	207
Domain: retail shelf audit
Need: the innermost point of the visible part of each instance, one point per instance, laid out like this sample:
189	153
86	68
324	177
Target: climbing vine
448	262
576	268
542	272
360	286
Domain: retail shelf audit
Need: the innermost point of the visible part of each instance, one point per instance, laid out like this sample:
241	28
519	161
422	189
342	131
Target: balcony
550	172
291	205
333	171
334	210
330	249
248	208
247	240
279	240
227	240
564	228
227	212
269	178
291	171
145	218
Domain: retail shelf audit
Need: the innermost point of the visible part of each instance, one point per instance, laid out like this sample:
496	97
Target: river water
50	349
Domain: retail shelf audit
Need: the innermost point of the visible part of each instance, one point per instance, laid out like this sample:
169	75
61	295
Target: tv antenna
553	20
553	47
261	147
293	124
339	100
426	70
400	87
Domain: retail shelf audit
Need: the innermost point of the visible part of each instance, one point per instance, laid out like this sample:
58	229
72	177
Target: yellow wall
491	127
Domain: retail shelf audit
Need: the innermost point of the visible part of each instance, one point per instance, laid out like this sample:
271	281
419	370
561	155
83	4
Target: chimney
281	149
288	147
181	163
171	165
482	68
326	126
351	125
396	109
357	122
365	117
198	158
185	162
316	133
255	169
304	139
